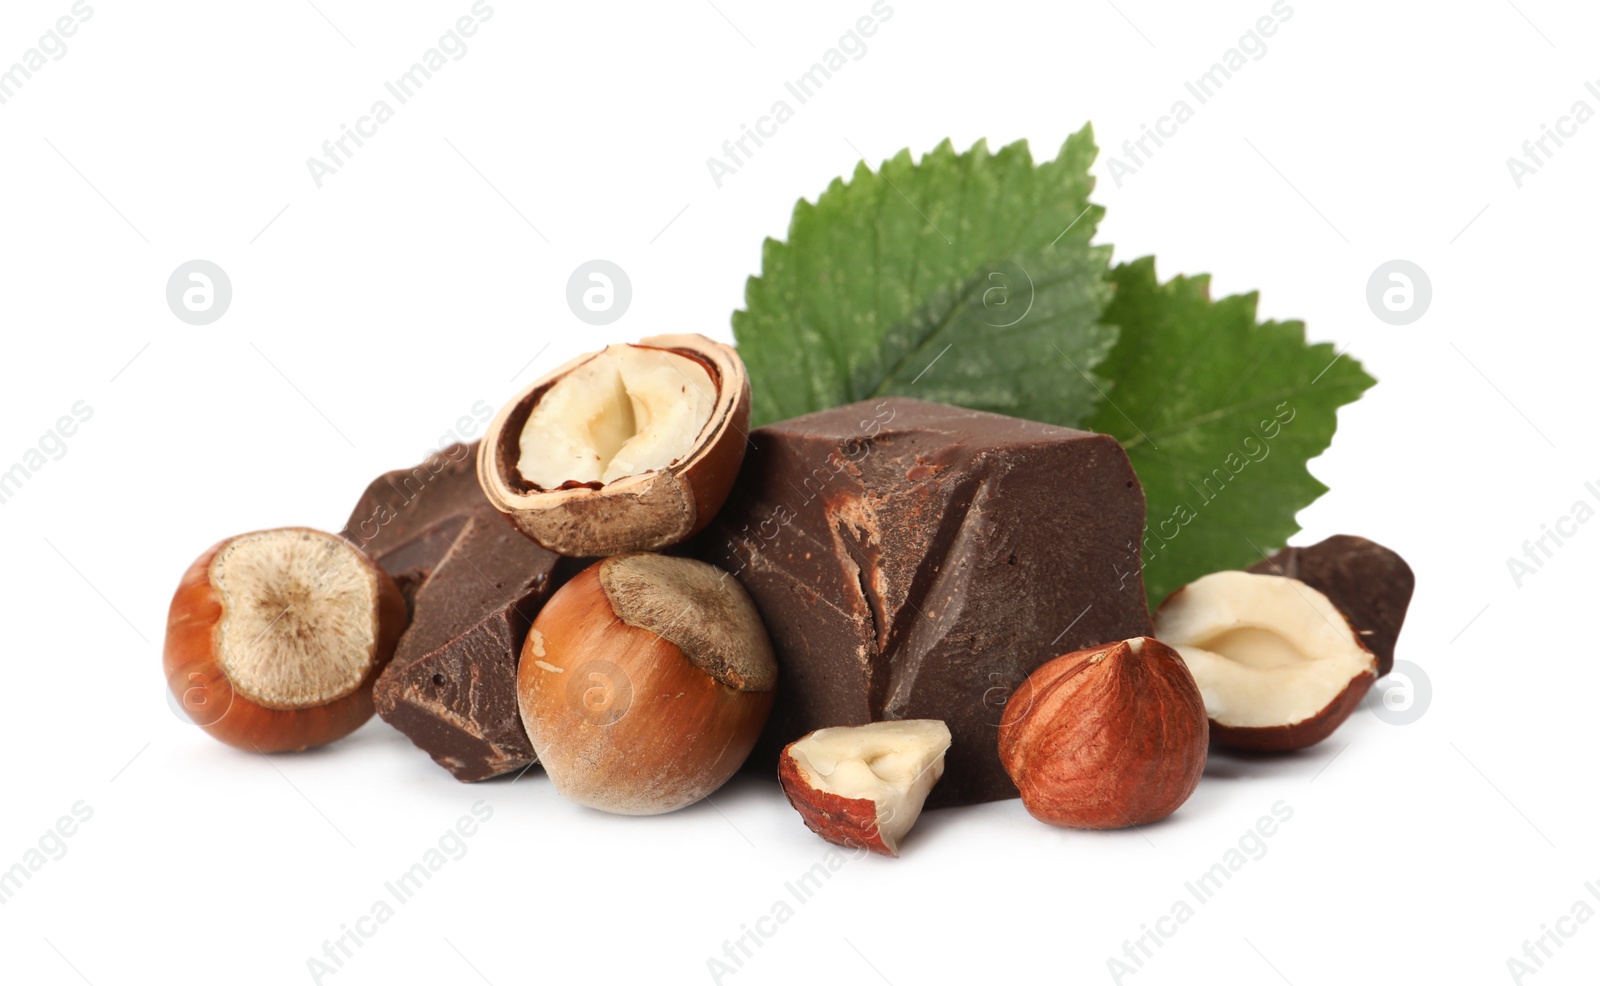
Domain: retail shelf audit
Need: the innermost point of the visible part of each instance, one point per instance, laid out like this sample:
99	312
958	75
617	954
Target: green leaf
962	278
1220	415
970	279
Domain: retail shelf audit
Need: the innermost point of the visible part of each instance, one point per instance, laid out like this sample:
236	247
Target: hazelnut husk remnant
644	683
274	638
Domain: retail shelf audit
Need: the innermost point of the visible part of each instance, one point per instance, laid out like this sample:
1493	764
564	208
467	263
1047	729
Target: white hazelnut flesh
1279	666
627	411
633	448
864	786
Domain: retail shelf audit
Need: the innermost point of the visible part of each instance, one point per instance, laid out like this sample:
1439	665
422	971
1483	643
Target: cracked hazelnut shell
647	511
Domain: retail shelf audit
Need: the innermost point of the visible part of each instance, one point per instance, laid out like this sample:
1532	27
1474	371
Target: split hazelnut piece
644	683
1370	584
864	786
274	638
1106	737
633	448
1279	665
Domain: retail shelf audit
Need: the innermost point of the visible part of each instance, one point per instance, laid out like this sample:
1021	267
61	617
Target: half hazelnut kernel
274	639
644	683
633	448
1106	737
864	786
1279	665
1371	585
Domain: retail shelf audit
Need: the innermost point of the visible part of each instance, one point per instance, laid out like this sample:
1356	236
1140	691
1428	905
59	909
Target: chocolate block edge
902	575
473	585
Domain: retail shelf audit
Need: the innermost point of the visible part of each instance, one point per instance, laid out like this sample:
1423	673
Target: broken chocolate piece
408	519
919	561
474	585
1370	584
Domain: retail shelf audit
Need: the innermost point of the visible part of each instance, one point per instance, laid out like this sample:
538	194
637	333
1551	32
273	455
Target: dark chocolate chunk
1370	584
919	561
475	585
408	519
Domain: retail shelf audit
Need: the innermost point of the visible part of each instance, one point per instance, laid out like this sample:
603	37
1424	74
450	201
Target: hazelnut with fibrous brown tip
274	639
644	683
1279	665
633	448
1106	737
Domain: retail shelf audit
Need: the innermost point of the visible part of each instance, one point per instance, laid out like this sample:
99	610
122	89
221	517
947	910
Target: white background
429	274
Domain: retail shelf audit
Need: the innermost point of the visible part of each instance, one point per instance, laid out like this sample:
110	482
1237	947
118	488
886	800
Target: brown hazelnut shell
848	822
1369	583
1106	737
622	719
1319	726
202	688
647	512
1298	736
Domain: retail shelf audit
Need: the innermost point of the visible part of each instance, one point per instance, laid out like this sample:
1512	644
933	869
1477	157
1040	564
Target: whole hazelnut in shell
274	639
644	683
1106	737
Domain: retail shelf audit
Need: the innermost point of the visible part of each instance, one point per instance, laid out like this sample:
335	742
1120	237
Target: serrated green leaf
962	278
969	279
1220	415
